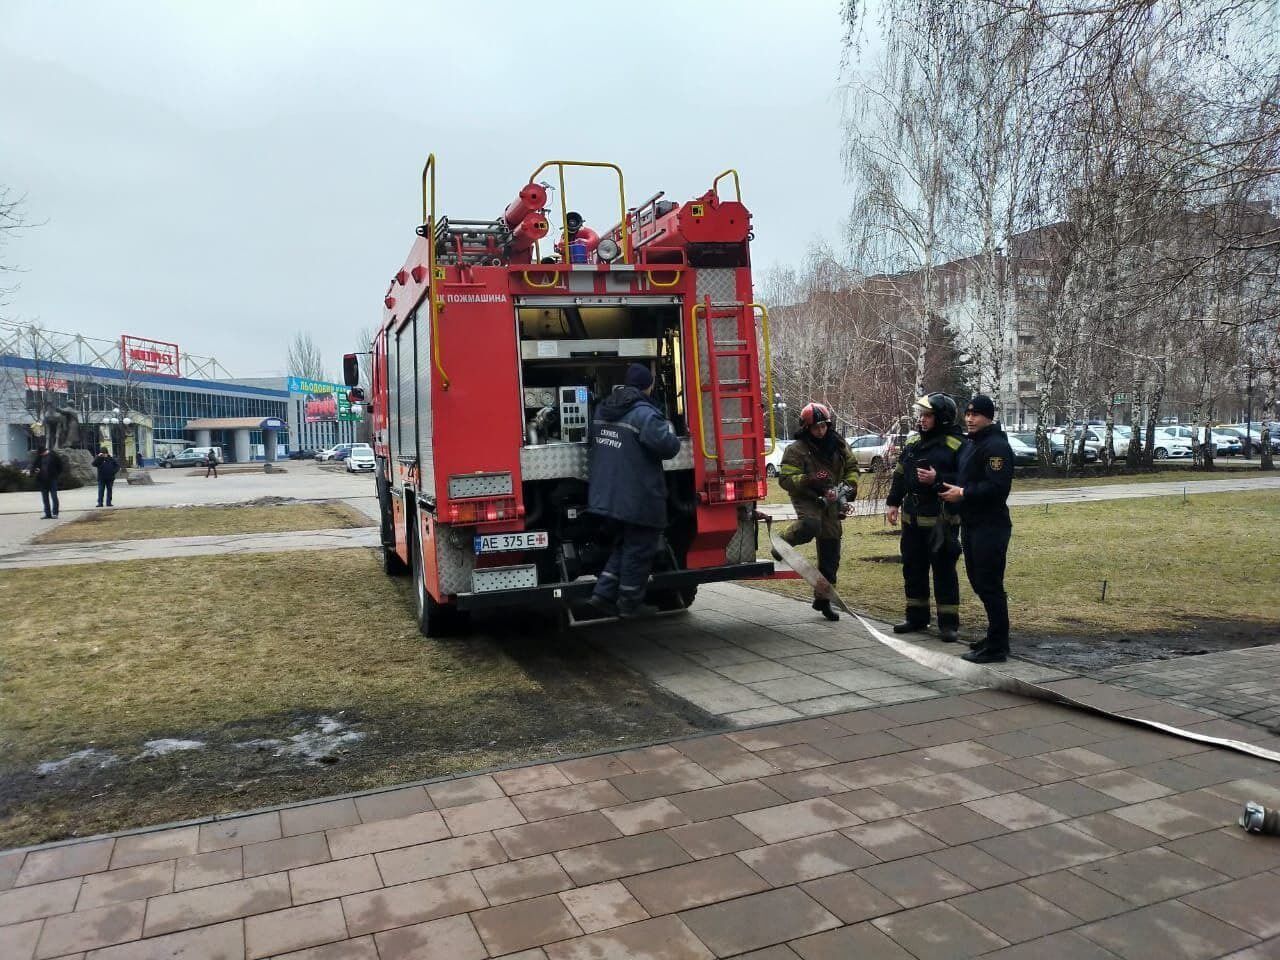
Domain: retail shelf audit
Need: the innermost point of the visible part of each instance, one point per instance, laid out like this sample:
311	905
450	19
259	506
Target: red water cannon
532	199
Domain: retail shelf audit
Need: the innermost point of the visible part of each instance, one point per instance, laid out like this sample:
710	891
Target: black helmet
815	413
941	406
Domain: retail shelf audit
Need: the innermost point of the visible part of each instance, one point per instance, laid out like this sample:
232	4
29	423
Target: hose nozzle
1258	819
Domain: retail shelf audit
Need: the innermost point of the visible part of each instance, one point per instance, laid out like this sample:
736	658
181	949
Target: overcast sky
224	174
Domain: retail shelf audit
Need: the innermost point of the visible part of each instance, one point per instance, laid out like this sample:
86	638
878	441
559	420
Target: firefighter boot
823	606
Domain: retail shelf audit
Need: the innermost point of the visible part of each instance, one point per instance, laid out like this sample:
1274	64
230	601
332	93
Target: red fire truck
490	358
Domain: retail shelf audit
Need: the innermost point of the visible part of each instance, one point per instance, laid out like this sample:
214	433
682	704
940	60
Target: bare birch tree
305	358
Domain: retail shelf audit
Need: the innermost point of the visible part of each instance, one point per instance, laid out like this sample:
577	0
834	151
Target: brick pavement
975	824
749	657
1239	684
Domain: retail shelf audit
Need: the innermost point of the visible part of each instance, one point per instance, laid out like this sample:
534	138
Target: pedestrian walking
981	494
820	474
630	437
107	469
211	464
930	537
46	467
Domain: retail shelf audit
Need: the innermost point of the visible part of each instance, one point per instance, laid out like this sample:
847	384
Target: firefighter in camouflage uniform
930	536
819	473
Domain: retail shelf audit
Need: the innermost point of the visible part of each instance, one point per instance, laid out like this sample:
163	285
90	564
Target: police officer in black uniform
981	493
930	537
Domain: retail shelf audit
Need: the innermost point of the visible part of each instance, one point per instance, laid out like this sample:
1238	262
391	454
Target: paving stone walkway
977	824
1240	684
50	555
752	657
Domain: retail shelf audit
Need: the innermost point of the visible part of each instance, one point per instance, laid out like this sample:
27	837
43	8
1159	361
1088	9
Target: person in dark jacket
211	465
630	438
815	465
929	533
981	493
46	467
107	469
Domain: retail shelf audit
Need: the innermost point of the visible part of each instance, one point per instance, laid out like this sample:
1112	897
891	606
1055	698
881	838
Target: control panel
574	409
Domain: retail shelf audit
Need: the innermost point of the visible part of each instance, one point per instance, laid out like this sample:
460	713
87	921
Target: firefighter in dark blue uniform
930	537
981	492
630	438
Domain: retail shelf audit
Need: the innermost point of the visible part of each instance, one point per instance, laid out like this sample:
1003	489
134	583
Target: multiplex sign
150	356
46	384
325	401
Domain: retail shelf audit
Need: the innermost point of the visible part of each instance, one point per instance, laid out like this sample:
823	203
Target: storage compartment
572	356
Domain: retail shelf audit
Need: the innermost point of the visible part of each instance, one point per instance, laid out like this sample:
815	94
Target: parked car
1058	445
1227	443
359	458
1254	432
1024	454
773	461
874	450
1120	434
1171	446
304	454
338	452
191	457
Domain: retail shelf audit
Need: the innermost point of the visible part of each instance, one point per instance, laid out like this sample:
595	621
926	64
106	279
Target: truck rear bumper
579	591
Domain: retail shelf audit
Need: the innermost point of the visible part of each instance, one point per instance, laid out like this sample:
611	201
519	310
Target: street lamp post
121	422
1248	409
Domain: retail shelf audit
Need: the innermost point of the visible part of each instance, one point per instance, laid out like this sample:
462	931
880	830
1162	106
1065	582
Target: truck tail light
483	510
733	491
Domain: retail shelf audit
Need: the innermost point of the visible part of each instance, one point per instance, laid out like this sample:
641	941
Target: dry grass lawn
151	523
1165	562
230	650
184	644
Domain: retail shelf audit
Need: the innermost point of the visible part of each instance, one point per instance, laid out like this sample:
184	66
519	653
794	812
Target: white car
773	461
360	459
1171	446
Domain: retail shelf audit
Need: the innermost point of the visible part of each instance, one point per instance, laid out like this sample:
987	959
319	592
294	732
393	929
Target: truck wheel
688	594
429	613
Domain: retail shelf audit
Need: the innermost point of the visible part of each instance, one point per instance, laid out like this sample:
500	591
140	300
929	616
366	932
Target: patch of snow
90	757
158	748
329	725
313	746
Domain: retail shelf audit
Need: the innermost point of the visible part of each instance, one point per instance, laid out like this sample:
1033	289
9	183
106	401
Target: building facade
147	400
142	417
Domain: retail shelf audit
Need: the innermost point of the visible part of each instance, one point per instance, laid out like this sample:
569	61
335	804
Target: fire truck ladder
733	344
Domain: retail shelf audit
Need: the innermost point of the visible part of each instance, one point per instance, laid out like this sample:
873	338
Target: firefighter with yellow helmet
819	473
930	535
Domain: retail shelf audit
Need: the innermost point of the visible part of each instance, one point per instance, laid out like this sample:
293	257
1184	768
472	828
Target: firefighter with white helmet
930	535
819	473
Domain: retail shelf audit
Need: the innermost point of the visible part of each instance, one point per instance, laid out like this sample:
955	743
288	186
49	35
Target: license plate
510	542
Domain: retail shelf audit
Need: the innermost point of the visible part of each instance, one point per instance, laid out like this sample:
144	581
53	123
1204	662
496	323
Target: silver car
873	450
